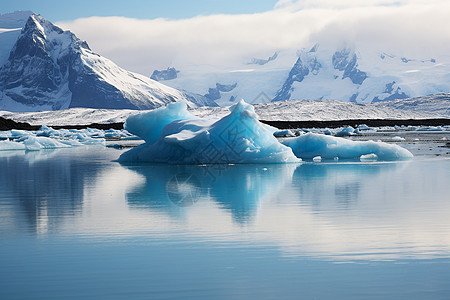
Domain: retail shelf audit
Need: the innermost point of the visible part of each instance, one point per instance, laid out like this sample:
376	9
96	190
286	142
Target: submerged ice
238	137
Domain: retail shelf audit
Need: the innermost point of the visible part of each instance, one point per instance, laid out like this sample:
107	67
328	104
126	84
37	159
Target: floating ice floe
349	130
49	138
33	143
238	137
311	145
284	133
9	145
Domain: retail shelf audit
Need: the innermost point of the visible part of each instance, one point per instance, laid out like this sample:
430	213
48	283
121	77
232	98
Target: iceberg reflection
235	188
334	211
38	189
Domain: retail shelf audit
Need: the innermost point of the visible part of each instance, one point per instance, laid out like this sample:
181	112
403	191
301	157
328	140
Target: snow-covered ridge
47	68
429	107
348	73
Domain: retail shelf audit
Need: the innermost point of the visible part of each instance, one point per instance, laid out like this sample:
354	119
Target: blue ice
238	137
311	145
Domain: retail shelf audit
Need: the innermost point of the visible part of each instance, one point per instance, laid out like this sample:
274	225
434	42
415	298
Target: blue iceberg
149	125
311	145
174	136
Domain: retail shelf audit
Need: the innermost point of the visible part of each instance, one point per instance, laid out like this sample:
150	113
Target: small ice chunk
327	132
398	138
283	133
317	158
349	130
8	145
19	133
4	135
37	143
363	127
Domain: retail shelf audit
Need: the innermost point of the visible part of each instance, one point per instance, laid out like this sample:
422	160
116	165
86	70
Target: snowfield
428	107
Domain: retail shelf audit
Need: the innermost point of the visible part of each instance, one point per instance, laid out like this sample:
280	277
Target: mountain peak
37	23
51	69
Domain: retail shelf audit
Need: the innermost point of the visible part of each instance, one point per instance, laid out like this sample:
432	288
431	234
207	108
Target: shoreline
8	124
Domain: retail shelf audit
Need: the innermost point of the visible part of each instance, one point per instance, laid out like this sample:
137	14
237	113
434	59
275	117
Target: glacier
311	145
238	137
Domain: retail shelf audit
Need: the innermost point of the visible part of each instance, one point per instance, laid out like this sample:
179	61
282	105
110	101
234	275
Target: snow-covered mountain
47	68
347	73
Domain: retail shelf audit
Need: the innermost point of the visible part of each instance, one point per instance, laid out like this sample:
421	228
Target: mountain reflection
43	186
235	188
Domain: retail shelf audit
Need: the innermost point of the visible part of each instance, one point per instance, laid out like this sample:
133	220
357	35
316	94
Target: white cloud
414	28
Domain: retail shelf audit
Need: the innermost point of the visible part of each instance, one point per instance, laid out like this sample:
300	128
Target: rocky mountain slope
51	69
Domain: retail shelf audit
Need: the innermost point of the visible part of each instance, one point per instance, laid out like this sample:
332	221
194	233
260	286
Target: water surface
75	224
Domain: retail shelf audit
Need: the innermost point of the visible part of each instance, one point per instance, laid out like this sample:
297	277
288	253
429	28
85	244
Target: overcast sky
144	35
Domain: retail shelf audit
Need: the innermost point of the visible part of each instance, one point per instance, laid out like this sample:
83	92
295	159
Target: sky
140	9
145	35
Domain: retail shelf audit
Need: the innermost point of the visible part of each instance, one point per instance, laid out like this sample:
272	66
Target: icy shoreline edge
8	124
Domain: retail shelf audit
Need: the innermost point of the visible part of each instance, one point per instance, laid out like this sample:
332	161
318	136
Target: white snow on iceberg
236	138
310	145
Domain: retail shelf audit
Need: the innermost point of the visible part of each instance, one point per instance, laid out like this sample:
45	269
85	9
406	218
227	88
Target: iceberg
174	136
149	125
311	145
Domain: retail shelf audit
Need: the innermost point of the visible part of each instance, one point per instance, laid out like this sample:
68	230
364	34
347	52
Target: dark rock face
297	73
259	61
30	73
215	93
405	60
344	60
169	74
225	87
395	93
49	68
88	90
7	124
39	69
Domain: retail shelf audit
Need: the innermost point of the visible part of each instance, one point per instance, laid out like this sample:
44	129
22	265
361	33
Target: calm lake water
75	224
